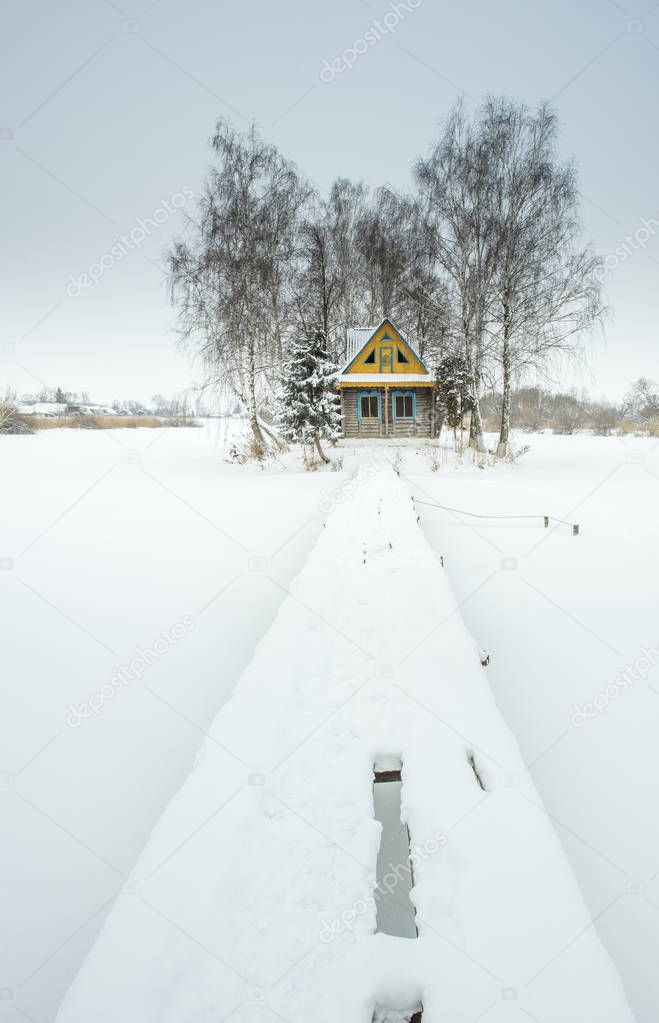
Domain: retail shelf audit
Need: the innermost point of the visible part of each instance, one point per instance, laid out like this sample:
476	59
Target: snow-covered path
253	896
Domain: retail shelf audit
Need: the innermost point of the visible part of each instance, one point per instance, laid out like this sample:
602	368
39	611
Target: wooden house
386	390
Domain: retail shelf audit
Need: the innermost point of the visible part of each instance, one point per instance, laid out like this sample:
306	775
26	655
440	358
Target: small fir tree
454	397
309	407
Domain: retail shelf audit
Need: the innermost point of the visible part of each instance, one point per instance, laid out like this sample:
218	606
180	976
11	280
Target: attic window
370	359
400	356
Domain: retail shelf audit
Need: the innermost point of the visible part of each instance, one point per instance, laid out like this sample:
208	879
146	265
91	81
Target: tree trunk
257	436
503	447
255	427
476	438
320	451
277	441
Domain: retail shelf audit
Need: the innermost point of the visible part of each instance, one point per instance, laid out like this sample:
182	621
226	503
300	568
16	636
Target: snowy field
115	537
573	633
140	572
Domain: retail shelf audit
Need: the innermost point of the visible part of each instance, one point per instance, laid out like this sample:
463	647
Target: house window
370	359
404	406
369	406
400	356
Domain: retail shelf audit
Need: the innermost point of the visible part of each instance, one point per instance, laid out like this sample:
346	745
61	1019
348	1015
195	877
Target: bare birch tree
546	287
400	276
328	294
230	277
455	188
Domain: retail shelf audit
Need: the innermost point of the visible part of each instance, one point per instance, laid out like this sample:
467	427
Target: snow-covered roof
384	378
40	408
356	338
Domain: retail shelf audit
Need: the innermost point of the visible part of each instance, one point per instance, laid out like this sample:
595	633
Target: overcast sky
107	110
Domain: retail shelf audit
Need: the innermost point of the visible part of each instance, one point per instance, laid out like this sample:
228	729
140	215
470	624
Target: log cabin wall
387	425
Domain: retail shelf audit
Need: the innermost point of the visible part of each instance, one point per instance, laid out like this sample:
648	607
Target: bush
15	423
12	421
604	419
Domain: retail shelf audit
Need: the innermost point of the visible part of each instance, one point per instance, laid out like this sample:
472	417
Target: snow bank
109	539
562	625
255	889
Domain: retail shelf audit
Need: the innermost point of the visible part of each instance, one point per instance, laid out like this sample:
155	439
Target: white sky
105	123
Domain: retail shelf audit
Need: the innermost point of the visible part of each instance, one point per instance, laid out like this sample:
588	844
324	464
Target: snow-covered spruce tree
454	394
309	408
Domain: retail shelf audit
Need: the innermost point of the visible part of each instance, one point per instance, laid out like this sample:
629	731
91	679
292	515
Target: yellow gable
386	352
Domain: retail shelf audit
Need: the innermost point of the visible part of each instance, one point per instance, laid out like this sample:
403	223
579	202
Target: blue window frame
369	405
403	405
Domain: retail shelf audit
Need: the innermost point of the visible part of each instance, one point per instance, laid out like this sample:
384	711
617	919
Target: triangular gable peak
385	352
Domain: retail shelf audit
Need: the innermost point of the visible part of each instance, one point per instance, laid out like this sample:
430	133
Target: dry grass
627	428
106	422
